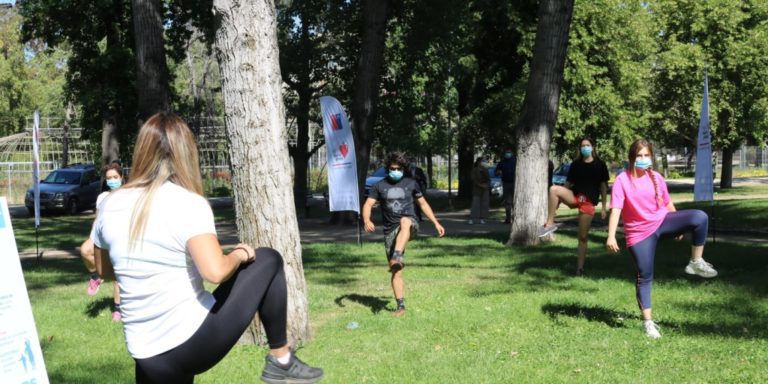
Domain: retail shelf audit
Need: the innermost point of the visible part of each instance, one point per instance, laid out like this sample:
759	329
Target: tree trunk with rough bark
151	68
537	120
366	92
69	114
726	173
110	142
247	51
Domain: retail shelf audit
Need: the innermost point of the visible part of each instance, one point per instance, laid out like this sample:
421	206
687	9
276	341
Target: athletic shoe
116	316
543	231
93	286
580	272
470	222
296	371
399	312
651	329
396	263
482	221
701	268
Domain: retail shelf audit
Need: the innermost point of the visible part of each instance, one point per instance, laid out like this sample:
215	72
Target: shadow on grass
56	232
376	304
50	273
84	373
609	317
97	306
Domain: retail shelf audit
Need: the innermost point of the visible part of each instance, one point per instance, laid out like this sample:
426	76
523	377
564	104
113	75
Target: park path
318	230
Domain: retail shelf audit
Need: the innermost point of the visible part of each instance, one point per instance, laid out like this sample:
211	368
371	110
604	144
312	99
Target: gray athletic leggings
255	287
644	252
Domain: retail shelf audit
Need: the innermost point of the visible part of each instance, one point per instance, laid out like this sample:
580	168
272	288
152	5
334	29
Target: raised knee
270	256
700	216
405	222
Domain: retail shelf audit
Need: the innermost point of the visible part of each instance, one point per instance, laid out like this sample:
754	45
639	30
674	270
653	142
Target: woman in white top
113	176
156	236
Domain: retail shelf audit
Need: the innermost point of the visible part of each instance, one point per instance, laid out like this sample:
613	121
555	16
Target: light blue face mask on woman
643	163
114	183
586	151
396	175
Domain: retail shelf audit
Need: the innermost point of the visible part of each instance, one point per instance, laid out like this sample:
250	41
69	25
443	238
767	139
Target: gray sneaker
543	231
701	268
651	329
295	372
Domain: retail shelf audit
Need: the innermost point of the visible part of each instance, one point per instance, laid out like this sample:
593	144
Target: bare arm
103	263
604	196
613	224
213	265
427	211
671	206
367	223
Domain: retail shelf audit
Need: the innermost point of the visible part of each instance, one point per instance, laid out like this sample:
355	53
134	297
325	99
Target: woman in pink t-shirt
640	197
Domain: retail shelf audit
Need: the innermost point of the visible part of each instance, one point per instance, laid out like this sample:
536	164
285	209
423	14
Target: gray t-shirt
396	199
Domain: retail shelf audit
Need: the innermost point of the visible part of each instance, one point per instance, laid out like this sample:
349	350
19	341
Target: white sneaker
651	329
482	221
471	222
701	268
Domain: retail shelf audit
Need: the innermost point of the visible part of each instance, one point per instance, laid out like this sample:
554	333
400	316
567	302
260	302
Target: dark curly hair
398	158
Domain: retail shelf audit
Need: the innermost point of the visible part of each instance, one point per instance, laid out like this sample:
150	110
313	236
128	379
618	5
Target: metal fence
682	161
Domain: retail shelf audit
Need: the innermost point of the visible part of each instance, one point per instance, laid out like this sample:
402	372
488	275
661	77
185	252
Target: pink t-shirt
636	198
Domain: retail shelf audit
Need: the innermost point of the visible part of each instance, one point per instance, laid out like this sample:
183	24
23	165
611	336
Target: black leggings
255	287
644	252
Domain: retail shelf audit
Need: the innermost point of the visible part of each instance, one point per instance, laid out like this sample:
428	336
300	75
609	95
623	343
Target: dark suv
69	189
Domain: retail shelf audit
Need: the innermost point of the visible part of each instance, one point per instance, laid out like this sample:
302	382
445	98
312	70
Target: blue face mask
586	151
396	175
114	183
507	155
643	163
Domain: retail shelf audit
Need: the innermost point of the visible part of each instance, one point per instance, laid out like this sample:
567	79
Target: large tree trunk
151	69
246	48
366	92
466	152
537	120
726	173
69	114
110	144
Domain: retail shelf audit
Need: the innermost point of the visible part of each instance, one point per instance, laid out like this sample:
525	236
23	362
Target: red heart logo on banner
344	149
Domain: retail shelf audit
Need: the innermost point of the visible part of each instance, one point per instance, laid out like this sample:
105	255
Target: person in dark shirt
397	196
506	169
586	183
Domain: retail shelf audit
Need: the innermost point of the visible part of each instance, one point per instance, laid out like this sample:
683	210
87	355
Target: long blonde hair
165	151
636	146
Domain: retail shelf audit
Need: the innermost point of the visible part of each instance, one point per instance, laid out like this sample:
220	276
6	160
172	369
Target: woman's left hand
679	237
250	253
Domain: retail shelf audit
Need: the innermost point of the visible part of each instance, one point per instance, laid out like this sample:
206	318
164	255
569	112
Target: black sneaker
397	262
295	372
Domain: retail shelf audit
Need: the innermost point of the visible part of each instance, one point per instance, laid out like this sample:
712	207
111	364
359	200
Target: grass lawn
478	312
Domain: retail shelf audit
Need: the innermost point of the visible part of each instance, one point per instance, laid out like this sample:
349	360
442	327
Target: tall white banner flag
342	162
21	359
36	164
703	189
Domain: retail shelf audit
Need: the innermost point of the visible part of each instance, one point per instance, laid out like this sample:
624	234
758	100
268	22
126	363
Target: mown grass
478	311
736	209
